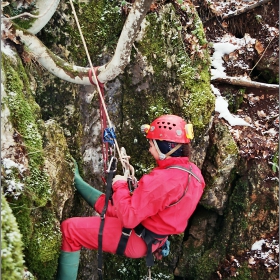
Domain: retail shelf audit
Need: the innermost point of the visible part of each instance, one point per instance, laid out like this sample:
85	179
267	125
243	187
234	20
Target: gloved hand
119	178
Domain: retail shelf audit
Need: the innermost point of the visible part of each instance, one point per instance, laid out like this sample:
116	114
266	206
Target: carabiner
112	164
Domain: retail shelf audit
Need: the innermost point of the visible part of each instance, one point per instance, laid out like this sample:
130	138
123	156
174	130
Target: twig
245	9
237	12
261	56
29	15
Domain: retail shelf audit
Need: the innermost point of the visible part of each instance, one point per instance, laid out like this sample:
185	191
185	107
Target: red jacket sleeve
150	197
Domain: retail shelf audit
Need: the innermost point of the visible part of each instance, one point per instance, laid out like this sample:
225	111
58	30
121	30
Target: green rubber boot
89	193
68	265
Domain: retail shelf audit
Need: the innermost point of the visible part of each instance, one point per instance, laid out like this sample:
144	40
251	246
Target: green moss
207	264
43	251
22	211
24	116
244	273
198	106
33	211
199	263
234	98
235	222
11	245
122	268
164	50
96	19
225	144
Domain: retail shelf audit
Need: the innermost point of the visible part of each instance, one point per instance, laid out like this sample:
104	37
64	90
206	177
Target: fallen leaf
259	47
224	24
261	114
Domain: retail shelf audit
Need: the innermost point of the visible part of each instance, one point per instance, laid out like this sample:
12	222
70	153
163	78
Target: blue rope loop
109	135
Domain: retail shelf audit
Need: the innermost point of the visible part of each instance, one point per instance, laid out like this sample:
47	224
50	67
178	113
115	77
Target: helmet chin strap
164	156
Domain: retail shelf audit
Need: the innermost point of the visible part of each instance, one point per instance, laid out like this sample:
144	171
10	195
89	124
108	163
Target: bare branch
245	9
79	75
51	62
123	50
245	82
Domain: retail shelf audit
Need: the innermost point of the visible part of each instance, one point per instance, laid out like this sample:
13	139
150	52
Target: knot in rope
128	171
90	75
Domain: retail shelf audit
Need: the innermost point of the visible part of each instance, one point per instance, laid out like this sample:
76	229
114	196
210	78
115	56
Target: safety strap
187	187
126	232
102	215
148	236
184	169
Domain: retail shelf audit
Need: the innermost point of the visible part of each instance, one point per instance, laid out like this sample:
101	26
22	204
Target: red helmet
169	128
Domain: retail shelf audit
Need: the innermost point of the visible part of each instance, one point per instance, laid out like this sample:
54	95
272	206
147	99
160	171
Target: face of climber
153	150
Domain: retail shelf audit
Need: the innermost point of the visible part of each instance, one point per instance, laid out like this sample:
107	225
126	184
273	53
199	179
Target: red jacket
155	192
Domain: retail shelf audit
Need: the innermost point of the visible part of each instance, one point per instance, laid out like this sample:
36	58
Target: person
161	204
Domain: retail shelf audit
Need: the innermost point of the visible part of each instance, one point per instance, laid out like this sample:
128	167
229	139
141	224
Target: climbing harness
150	238
108	138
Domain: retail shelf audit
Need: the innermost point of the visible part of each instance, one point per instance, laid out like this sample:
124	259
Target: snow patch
221	106
217	59
258	245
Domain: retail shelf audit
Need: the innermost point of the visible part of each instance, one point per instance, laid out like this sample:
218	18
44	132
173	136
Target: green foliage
11	244
234	98
15	9
22	211
275	162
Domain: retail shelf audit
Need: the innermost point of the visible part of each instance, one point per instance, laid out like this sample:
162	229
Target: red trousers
83	232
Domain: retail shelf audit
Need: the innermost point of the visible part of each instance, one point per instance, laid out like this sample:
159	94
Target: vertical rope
97	84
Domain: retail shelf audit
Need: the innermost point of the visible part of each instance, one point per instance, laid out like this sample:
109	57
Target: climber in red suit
162	203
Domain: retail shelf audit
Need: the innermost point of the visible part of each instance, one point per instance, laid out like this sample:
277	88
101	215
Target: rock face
46	122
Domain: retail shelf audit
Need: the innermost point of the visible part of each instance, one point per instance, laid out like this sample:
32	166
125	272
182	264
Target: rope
97	84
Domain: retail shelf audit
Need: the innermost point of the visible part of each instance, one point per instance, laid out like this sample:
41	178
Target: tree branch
51	62
43	6
46	11
79	75
245	82
123	50
245	9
